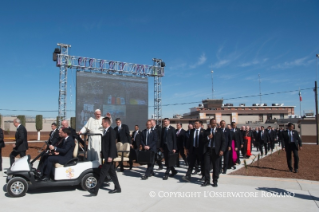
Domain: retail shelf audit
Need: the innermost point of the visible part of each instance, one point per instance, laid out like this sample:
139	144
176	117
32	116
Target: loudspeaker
55	54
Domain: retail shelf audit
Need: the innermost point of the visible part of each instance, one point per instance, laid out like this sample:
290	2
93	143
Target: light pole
212	84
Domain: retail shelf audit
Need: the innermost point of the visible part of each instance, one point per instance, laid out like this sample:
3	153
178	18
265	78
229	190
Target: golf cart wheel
17	187
89	181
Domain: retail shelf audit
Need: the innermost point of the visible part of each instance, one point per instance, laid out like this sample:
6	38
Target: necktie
291	138
196	139
147	134
104	132
119	129
135	134
214	131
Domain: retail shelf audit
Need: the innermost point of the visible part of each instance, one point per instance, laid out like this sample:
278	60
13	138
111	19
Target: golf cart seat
123	152
75	158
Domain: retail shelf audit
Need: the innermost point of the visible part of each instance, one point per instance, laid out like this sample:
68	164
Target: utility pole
212	85
259	88
316	101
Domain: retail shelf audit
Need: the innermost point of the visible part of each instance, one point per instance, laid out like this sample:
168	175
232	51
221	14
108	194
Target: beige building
7	124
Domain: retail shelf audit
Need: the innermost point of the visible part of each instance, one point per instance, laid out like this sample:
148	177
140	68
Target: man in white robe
94	126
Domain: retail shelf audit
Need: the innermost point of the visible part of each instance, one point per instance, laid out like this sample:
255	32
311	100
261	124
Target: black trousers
263	145
271	145
49	164
107	169
150	168
167	157
159	162
292	148
216	167
182	153
13	154
0	159
207	160
225	163
193	157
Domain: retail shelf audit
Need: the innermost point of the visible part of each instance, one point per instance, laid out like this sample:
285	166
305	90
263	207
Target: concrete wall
7	124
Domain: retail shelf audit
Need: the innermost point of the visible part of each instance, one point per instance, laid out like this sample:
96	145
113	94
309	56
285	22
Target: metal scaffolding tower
86	64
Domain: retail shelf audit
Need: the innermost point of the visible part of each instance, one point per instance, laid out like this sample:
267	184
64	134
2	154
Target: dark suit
65	154
1	146
255	139
212	147
195	151
263	140
238	138
158	130
108	151
181	140
136	142
54	137
21	143
123	135
76	136
228	142
168	144
272	136
151	141
291	145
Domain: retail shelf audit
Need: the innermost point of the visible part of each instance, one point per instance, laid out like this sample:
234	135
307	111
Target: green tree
73	122
22	119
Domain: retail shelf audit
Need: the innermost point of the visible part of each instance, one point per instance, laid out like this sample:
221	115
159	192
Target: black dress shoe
92	192
165	177
144	177
152	174
224	172
45	179
115	191
202	179
186	178
206	183
290	170
215	185
173	174
296	170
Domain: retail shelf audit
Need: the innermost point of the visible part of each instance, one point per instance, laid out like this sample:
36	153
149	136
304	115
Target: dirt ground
276	165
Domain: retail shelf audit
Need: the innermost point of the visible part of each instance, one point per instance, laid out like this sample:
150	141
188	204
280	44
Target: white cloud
297	62
201	60
220	64
254	62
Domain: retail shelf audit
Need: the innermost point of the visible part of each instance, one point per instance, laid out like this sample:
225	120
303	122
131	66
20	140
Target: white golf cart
21	175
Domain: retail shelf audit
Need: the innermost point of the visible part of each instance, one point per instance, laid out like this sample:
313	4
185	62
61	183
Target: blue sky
236	39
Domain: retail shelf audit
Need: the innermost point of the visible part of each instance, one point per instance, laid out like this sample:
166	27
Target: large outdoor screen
123	97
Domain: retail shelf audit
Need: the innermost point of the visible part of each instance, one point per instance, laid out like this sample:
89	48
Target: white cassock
94	146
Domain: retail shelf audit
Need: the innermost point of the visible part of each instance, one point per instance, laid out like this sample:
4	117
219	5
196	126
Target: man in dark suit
168	146
54	135
21	145
263	140
180	139
255	138
109	152
214	148
195	148
236	135
122	135
135	146
280	136
228	142
291	142
62	154
272	137
158	130
1	146
149	143
73	134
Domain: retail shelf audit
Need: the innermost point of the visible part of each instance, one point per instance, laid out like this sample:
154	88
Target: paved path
234	193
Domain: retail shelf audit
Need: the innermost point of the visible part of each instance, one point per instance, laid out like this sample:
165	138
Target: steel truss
65	61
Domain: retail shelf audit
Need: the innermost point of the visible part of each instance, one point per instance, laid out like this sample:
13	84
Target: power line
184	103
